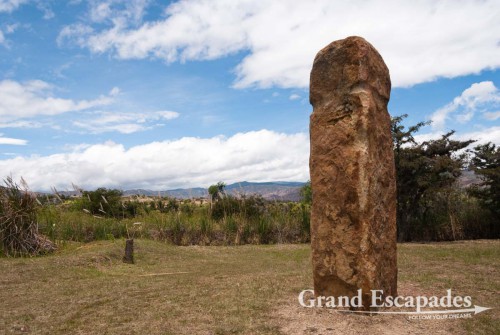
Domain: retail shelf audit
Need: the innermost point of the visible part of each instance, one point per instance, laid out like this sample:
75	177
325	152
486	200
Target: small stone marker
129	251
353	219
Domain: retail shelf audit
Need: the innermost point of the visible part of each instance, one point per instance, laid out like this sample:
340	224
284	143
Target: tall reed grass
185	223
19	233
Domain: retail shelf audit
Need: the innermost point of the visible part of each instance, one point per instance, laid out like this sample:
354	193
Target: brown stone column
129	251
353	219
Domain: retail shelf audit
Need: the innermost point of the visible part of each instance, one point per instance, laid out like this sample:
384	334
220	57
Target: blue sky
159	95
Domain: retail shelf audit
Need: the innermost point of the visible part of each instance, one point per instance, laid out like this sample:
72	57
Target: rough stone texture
353	220
129	251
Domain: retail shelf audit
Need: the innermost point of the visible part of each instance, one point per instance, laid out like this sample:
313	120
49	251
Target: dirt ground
295	319
468	267
253	289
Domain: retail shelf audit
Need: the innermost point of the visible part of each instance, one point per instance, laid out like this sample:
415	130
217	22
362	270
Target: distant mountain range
280	190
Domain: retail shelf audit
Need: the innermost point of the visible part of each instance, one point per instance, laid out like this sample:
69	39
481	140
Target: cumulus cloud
491	134
478	97
187	162
294	97
419	40
481	136
10	5
32	98
125	123
2	37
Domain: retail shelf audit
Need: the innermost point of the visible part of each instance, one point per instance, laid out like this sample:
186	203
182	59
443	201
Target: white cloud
419	40
492	116
478	97
294	97
10	5
254	156
12	141
117	10
10	28
484	135
44	7
76	33
32	98
491	134
125	123
100	10
21	124
114	91
124	128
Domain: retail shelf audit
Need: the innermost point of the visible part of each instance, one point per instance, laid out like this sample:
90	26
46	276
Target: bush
248	207
18	222
103	202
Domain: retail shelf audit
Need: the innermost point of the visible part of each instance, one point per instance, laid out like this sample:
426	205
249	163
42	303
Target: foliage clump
19	234
306	193
431	204
486	163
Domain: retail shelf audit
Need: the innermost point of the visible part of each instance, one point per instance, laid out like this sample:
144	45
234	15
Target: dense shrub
248	207
240	221
18	222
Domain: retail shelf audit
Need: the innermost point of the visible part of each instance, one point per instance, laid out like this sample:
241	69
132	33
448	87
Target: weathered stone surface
129	251
353	220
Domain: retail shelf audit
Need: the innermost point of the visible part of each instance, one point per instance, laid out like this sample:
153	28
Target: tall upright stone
353	219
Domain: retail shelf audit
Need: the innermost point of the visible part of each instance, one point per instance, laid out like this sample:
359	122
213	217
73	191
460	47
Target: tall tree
406	159
486	163
217	191
422	170
306	193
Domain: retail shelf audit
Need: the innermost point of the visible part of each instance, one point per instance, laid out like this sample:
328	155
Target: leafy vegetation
306	193
486	163
431	206
229	221
217	191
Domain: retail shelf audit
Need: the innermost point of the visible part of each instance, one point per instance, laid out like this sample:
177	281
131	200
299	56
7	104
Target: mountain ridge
273	190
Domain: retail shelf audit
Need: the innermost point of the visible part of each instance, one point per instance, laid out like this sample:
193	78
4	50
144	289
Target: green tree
217	191
486	163
401	136
423	171
306	193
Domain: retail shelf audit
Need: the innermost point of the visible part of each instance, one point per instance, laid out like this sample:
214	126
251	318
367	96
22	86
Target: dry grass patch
86	289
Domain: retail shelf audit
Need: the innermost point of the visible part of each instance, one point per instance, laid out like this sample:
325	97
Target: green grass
278	223
86	289
467	267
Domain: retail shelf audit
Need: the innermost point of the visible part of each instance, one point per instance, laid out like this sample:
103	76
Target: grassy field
251	289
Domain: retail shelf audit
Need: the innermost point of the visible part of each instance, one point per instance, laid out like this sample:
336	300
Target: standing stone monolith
353	219
129	251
